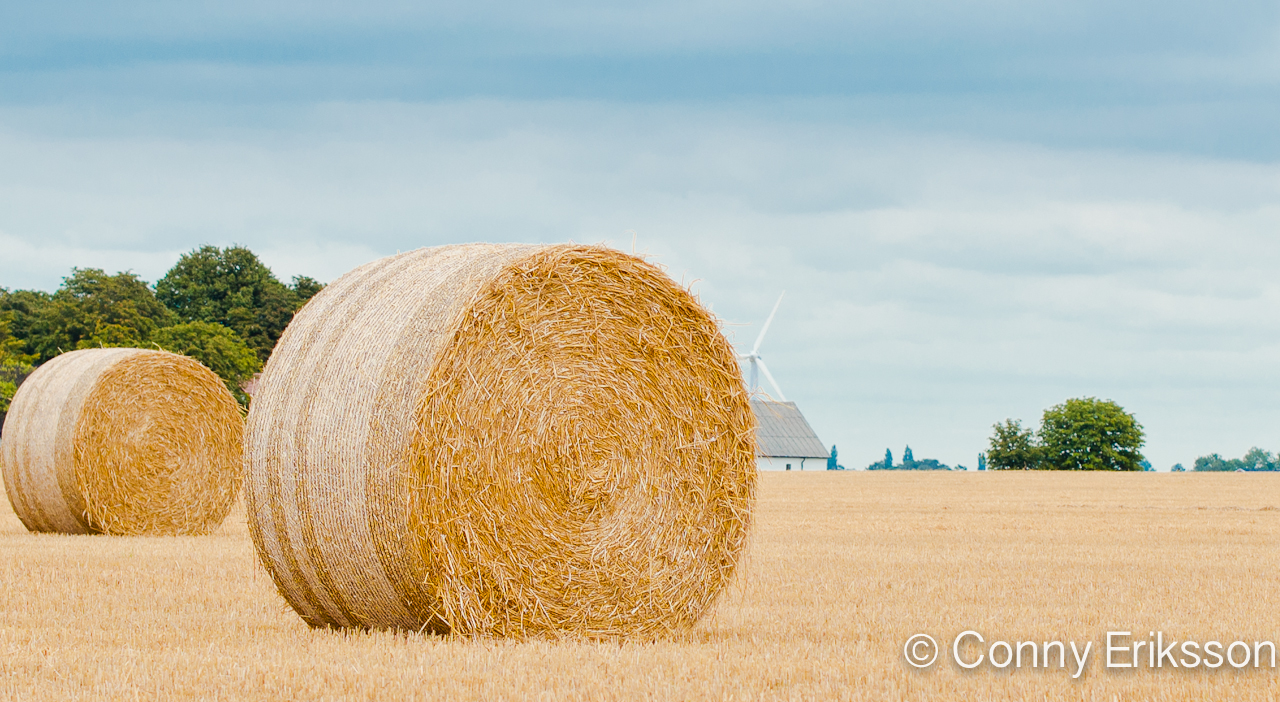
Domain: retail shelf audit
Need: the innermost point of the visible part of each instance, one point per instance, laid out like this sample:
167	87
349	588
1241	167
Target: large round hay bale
503	440
122	441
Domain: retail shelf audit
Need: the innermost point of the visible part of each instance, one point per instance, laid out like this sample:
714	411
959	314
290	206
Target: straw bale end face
122	441
502	440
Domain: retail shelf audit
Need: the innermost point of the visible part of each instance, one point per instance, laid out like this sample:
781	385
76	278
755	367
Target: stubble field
843	569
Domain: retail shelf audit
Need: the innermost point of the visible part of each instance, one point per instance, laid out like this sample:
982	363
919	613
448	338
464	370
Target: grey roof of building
784	432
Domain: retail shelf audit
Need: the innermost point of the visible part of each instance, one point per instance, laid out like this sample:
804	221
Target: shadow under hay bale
502	440
122	441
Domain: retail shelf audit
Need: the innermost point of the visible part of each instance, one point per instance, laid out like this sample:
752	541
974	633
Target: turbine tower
757	361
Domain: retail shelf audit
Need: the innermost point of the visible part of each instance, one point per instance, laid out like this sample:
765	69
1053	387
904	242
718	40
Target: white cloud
935	284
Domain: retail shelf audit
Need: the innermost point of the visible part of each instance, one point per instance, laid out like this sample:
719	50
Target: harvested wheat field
843	568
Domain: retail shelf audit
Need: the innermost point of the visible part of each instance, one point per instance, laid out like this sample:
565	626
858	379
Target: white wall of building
781	463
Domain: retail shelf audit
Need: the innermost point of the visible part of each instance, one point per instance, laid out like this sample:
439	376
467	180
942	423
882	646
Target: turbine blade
767	322
765	369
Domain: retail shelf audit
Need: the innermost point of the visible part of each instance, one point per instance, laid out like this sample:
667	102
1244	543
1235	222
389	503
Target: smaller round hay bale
122	441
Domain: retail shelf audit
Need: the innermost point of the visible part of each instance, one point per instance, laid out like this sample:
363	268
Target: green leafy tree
924	464
233	288
93	309
21	309
218	348
11	348
907	457
1090	434
304	288
1214	462
14	365
11	375
7	390
1012	447
1259	460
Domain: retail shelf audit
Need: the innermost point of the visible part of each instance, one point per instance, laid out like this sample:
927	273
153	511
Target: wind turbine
757	362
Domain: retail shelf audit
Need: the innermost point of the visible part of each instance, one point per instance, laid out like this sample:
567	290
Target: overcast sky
977	209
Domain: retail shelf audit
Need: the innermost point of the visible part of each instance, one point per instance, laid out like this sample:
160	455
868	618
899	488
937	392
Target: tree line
909	462
223	307
1254	460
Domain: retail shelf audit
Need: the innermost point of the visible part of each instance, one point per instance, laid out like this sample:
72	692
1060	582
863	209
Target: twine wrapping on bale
122	441
502	440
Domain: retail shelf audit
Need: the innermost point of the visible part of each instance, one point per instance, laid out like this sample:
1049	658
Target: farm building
785	441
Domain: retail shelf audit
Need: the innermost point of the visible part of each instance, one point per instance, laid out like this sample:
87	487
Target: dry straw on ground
844	567
122	441
505	440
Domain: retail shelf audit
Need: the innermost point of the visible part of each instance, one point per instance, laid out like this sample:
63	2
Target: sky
977	209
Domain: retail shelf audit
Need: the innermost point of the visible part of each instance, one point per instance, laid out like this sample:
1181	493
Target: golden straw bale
502	440
122	441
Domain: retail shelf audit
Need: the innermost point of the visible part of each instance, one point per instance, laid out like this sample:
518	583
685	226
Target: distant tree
1177	468
886	464
11	348
1145	465
22	308
982	461
1012	447
1259	460
218	348
1090	434
11	376
8	389
832	463
93	309
14	364
1255	460
926	464
233	288
1215	463
907	457
304	289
